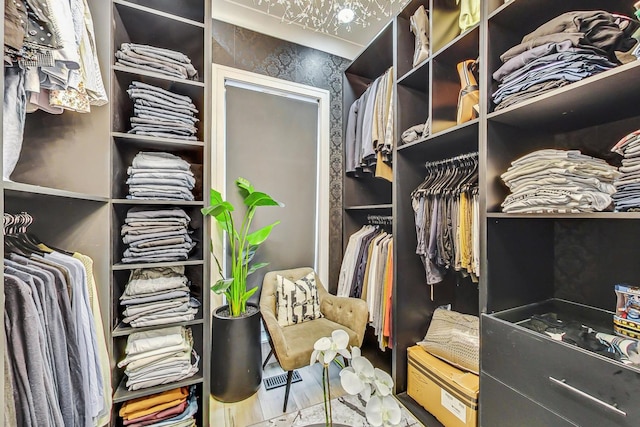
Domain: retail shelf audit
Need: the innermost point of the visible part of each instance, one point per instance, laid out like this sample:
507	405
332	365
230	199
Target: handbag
455	338
420	27
469	96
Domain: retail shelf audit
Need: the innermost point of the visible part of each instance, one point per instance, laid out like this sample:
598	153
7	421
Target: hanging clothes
370	131
51	64
58	353
367	273
447	217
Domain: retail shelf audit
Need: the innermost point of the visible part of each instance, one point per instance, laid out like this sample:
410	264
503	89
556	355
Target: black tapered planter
236	355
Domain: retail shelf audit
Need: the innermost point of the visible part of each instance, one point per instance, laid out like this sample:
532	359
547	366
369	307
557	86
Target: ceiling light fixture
330	16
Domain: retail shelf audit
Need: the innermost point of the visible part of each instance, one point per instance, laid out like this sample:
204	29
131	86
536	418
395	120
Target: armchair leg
286	393
264	364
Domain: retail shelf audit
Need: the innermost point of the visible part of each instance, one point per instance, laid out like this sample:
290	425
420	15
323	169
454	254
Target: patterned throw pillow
298	301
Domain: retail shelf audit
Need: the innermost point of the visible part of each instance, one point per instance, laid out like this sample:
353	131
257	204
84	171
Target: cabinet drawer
501	406
583	387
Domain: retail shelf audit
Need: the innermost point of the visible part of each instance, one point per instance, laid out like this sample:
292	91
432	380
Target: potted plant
236	365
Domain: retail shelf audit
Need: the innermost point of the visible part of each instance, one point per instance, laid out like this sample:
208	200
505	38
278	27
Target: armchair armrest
275	332
350	312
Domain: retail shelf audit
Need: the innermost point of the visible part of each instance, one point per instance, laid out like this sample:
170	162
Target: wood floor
265	404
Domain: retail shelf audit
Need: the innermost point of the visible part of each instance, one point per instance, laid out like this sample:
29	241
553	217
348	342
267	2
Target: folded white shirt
140	342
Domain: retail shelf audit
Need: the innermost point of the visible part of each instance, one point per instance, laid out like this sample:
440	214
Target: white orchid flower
326	349
383	411
382	382
357	378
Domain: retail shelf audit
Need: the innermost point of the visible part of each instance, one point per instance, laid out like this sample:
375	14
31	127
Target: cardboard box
627	317
449	394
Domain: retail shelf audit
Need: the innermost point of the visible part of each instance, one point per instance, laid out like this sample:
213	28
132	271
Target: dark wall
244	49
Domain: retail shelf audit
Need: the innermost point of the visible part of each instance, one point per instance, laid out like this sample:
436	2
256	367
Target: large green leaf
221	286
218	209
216	197
250	253
248	294
245	187
257	237
258	198
256	267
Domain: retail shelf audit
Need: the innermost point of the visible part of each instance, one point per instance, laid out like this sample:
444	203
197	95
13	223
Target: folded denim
528	56
152	191
136	260
161	64
152	222
163	124
152	196
144	98
141	85
188	179
183	253
141	309
124	60
152	298
161	293
152	95
127	229
136	180
150	249
169	107
166	131
147	214
163	318
168	53
159	160
175	310
163	112
163	135
157	235
161	54
151	115
532	92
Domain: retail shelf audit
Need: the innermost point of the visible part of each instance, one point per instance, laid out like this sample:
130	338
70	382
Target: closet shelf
590	215
130	70
120	266
17	189
156	202
368	207
159	13
122	394
501	9
143	141
459	139
123	329
418	411
466	42
603	98
418	77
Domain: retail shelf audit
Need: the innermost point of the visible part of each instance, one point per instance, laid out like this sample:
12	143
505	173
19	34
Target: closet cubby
444	18
195	226
190	10
125	150
123	104
413	92
405	44
446	81
121	394
142	26
120	280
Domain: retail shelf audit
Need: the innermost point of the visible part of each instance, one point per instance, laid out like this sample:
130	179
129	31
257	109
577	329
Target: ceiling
348	44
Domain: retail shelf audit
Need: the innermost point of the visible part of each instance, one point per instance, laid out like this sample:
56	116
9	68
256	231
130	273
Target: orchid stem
326	367
327	404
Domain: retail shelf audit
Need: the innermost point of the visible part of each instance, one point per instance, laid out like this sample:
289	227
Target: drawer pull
563	383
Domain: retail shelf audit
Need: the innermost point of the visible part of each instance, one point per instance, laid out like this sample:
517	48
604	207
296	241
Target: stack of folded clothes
159	356
156	59
158	296
156	235
171	408
558	181
566	49
158	112
160	176
627	199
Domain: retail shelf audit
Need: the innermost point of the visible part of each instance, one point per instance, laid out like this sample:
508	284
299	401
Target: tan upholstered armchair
293	345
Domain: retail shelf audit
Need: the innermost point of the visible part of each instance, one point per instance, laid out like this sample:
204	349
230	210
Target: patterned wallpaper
247	50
